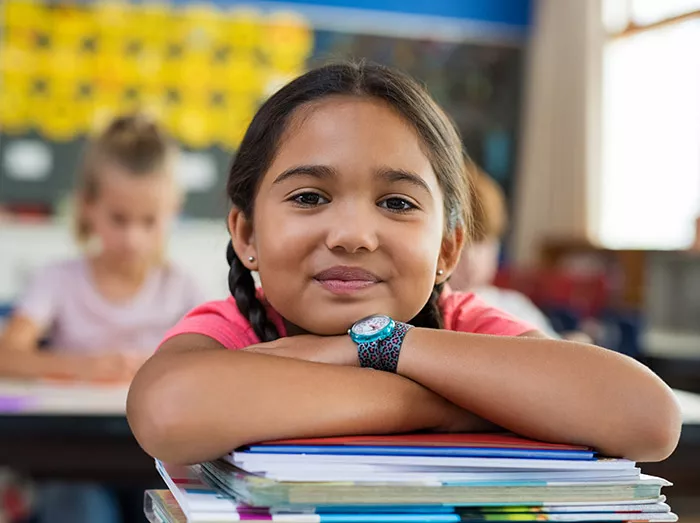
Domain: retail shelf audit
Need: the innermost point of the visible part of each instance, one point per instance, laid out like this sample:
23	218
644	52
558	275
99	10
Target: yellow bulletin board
66	68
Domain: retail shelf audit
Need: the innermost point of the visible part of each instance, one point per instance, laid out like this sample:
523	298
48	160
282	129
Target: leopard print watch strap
383	354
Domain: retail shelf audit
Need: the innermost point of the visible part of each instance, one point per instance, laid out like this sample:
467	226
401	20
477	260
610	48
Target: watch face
371	325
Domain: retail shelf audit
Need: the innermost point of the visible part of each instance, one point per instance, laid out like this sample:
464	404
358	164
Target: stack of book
409	478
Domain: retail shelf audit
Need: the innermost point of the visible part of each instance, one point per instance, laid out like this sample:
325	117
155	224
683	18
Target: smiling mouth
346	280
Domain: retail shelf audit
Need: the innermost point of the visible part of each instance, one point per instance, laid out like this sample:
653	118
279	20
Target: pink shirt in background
461	311
63	300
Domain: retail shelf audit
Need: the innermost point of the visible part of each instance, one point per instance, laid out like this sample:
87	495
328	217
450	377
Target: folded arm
20	358
195	401
546	389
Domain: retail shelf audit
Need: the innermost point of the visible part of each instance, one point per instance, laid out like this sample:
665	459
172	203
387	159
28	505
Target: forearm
548	389
22	364
193	406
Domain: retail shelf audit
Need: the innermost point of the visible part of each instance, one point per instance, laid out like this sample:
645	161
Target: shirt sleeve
219	320
39	301
466	312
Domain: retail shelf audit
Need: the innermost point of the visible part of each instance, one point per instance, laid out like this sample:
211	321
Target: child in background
104	312
351	202
478	265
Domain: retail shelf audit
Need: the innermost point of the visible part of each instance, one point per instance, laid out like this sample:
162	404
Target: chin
328	325
336	320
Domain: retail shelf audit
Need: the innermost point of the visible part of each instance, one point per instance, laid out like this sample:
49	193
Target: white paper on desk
62	398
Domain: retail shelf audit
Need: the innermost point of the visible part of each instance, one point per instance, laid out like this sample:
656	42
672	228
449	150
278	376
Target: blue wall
513	12
510	12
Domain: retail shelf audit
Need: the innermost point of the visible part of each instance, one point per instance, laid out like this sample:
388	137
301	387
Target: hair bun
137	141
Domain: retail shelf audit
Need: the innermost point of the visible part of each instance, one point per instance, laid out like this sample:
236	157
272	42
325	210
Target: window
650	186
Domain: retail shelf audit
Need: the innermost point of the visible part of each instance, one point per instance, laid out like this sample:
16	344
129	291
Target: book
405	450
470	445
255	490
430	439
259	461
409	479
162	507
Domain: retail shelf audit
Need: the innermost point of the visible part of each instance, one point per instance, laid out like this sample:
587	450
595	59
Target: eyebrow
401	175
326	172
315	171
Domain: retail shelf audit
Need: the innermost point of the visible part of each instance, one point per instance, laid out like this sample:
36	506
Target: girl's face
348	219
131	214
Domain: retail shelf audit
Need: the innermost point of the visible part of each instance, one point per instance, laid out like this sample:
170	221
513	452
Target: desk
683	467
69	431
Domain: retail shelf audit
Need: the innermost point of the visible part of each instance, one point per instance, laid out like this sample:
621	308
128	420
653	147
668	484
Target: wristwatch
379	339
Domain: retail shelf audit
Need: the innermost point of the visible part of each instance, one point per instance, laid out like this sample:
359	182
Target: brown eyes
312	199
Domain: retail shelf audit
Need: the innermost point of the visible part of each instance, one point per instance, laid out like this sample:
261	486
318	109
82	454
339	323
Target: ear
450	252
242	237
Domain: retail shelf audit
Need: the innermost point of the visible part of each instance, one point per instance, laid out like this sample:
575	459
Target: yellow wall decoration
66	68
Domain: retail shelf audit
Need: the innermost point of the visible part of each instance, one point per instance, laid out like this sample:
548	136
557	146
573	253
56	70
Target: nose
134	239
352	228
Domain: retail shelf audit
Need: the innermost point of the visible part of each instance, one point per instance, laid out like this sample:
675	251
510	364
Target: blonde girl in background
103	313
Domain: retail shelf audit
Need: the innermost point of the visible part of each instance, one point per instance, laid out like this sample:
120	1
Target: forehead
148	192
352	134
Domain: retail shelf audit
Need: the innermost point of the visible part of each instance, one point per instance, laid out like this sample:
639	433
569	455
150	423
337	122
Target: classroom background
585	112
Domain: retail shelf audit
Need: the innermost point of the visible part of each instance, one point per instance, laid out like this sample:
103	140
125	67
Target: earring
440	272
251	259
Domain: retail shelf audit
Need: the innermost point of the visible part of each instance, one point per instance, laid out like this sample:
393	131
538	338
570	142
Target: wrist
343	352
408	360
379	340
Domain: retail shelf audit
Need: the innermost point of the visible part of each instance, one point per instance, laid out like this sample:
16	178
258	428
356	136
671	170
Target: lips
346	280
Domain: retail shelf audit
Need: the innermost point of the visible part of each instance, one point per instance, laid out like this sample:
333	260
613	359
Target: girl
103	312
350	199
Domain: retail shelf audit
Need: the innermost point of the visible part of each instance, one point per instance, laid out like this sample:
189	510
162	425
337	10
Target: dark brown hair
133	142
438	135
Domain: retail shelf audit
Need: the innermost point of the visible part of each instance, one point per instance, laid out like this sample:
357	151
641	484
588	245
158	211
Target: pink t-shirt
461	311
63	301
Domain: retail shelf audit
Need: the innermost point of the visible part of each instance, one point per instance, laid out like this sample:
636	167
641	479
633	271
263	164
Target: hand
334	350
114	367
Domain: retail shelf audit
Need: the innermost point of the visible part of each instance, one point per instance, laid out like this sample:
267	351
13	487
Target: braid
430	316
242	287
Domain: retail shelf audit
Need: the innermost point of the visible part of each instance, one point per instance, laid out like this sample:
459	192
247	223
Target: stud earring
440	272
251	259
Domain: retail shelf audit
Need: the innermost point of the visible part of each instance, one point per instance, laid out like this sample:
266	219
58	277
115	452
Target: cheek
415	257
282	244
159	228
417	247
